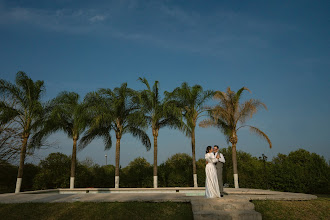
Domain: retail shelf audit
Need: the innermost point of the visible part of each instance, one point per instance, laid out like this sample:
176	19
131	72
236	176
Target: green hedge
300	171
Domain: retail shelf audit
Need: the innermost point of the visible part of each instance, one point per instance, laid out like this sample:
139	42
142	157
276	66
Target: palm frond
145	82
28	108
221	112
140	134
155	91
203	97
220	96
207	123
7	113
261	134
45	129
10	90
191	101
248	109
171	122
239	92
92	133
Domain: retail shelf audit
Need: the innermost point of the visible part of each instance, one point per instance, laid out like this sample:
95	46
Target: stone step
221	206
226	199
232	203
227	215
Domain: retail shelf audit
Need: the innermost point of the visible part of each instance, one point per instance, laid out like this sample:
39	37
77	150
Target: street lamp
264	159
106	159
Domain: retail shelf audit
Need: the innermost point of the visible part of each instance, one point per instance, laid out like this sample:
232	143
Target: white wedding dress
211	183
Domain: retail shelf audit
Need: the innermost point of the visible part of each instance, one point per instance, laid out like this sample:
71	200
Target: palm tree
159	114
27	111
191	100
117	110
68	114
230	115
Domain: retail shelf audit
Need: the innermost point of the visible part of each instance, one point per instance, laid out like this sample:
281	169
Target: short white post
155	181
195	180
18	185
71	182
236	180
116	181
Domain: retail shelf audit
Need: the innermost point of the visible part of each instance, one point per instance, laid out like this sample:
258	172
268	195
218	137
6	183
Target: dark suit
219	166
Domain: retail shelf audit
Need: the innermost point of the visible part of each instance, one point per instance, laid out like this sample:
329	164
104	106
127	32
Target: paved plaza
234	205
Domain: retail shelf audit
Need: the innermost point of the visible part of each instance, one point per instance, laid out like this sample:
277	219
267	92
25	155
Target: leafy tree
137	174
103	176
176	171
117	110
27	111
8	175
191	100
55	172
30	172
200	165
230	115
251	169
300	171
10	141
66	113
159	113
10	135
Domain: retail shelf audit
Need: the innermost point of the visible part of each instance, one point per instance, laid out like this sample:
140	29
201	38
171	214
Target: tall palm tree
27	111
159	114
117	110
230	115
191	100
70	115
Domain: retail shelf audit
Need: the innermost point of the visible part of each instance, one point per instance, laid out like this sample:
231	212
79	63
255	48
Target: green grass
90	210
312	209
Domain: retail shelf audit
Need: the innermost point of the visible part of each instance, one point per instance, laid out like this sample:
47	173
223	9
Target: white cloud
97	18
63	20
177	13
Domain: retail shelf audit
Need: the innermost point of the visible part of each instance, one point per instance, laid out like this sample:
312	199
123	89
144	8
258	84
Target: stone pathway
235	205
228	207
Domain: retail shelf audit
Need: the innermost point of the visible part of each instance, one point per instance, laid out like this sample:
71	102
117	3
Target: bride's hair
208	148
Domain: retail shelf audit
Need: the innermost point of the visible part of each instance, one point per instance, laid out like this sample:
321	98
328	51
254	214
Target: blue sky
280	50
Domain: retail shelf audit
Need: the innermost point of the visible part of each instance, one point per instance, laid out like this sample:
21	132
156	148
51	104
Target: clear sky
280	50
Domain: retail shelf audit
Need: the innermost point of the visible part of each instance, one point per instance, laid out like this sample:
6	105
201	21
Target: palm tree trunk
235	165
194	157
73	162
21	163
233	140
117	161
155	134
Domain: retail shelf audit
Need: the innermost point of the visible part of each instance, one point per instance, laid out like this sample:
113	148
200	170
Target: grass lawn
313	209
90	210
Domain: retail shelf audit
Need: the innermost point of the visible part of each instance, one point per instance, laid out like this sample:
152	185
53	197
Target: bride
211	183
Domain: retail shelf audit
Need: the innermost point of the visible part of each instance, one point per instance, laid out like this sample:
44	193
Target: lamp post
264	159
106	159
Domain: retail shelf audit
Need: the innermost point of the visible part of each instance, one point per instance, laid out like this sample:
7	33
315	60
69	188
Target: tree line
122	110
299	171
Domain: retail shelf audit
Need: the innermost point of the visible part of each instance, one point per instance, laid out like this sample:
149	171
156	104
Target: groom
219	166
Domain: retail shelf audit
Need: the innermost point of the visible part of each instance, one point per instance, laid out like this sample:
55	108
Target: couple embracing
213	169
